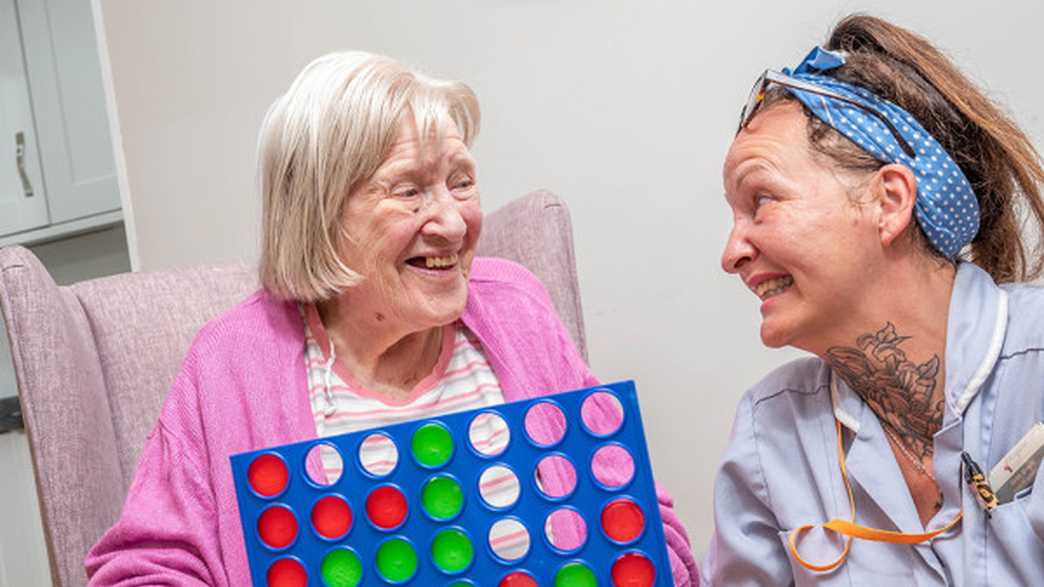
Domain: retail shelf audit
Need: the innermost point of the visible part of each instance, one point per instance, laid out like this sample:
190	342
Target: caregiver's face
797	240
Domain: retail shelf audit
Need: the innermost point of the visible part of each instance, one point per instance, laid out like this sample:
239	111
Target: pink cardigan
242	387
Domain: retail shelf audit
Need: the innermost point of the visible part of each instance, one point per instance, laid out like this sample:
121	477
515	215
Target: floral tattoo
901	392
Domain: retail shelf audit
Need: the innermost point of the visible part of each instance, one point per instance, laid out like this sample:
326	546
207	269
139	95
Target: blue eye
761	199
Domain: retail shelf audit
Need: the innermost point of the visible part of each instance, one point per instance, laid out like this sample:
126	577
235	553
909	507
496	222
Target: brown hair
995	155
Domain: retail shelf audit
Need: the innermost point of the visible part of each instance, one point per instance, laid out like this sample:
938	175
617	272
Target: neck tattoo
900	391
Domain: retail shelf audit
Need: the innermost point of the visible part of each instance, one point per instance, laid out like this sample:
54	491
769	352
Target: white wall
623	108
23	551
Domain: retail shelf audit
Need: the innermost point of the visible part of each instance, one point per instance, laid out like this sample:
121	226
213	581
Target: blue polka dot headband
946	207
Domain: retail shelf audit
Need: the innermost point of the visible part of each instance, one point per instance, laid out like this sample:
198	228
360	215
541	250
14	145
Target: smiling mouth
434	263
773	287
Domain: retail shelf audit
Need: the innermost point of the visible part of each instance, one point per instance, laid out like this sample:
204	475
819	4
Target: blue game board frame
522	455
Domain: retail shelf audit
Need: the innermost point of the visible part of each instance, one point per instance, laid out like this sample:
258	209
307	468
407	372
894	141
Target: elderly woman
876	198
373	310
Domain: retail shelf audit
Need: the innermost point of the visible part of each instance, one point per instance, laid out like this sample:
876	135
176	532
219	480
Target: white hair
329	131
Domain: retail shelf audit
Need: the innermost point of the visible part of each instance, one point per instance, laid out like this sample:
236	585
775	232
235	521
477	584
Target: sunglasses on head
758	92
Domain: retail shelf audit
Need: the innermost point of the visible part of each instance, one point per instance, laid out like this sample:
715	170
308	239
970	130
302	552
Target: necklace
916	462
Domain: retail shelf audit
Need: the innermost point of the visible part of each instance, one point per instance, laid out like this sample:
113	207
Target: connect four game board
554	491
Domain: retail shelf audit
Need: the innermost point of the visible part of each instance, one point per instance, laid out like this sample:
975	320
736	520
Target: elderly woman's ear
895	190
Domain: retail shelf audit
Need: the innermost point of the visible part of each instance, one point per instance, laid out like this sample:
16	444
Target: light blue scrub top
781	468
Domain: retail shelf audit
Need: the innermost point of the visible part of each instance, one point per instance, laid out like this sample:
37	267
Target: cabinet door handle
20	162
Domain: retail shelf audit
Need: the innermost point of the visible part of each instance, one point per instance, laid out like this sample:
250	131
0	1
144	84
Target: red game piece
633	570
277	527
332	517
518	580
386	507
287	572
268	475
623	520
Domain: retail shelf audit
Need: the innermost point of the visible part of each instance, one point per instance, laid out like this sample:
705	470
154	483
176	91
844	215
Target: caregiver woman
876	198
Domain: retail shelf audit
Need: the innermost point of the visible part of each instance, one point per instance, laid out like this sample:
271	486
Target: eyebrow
753	168
411	169
461	156
398	171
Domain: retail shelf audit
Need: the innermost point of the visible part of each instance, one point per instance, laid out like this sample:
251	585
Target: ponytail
998	159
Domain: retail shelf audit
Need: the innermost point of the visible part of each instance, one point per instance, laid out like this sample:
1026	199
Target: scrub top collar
975	329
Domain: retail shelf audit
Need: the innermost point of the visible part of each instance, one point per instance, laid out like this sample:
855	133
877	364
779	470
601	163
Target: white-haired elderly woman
373	310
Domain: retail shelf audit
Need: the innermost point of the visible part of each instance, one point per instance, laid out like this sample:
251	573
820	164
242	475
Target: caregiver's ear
896	188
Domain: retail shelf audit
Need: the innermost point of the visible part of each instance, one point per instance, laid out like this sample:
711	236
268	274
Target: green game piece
442	498
432	445
575	575
452	551
341	568
396	560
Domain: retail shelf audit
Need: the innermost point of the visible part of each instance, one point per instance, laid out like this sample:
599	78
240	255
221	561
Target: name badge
1017	470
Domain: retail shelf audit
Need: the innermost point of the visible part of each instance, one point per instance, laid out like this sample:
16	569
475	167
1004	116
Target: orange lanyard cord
852	530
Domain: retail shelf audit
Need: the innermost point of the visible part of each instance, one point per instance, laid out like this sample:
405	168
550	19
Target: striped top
461	380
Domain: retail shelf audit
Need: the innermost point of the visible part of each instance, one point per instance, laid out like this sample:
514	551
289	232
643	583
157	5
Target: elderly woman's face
412	228
797	240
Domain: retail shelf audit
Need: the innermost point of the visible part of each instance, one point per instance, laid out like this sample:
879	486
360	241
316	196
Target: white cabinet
52	93
23	205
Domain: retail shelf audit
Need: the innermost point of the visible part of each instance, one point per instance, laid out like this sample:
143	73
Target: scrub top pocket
1014	552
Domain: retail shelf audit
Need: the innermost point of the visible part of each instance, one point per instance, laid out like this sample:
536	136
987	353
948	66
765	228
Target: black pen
979	485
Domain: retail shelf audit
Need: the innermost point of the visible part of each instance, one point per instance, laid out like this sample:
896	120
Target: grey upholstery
94	360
